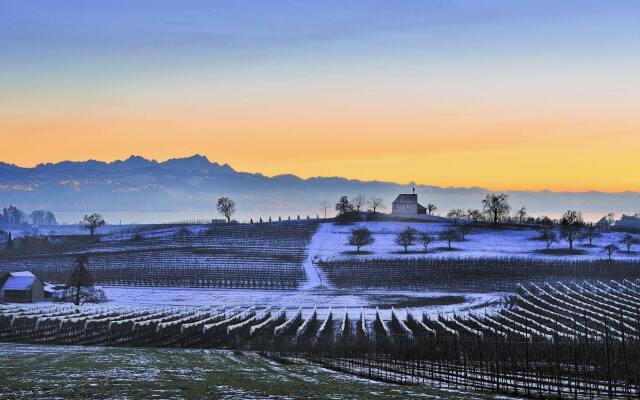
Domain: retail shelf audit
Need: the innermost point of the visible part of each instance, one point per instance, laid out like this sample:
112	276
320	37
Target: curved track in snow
315	277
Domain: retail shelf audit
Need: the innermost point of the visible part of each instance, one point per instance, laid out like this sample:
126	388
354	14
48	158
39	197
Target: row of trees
227	207
357	204
573	228
495	209
361	237
89	222
13	216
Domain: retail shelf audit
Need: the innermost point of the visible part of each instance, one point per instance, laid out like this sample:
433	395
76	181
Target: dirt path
315	277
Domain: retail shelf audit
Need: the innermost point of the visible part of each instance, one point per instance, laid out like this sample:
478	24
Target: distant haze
143	191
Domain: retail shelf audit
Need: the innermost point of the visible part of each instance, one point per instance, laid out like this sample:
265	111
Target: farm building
407	205
21	287
629	221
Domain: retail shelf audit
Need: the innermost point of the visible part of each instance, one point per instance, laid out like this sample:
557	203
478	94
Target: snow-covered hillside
481	242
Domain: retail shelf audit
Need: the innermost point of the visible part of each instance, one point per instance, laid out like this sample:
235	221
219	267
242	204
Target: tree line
361	236
13	216
571	227
90	222
357	204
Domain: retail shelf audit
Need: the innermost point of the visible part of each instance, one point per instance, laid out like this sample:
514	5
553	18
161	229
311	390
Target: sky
506	95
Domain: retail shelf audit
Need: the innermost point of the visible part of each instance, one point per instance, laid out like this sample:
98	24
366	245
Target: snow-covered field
330	242
160	233
481	242
353	302
432	303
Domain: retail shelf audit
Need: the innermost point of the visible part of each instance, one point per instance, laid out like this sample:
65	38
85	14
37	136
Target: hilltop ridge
193	183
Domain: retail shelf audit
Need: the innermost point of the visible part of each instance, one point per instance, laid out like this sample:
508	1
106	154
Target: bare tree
425	239
629	240
464	230
360	237
548	235
431	208
324	207
544	220
572	223
81	282
358	202
92	222
375	203
12	216
610	249
226	207
496	205
456	215
449	236
521	215
37	217
343	205
610	219
50	218
9	245
474	215
591	231
406	238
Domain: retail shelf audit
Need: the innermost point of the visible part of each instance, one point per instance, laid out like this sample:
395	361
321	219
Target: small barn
22	287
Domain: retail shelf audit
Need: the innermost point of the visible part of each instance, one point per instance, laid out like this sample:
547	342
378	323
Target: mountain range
191	185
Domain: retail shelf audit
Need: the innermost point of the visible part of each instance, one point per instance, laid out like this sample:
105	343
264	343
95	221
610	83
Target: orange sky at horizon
527	95
442	149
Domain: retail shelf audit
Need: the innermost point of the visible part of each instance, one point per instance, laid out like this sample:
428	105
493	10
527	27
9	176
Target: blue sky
175	33
477	80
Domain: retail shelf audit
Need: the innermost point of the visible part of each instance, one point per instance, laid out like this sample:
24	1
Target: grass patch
30	371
